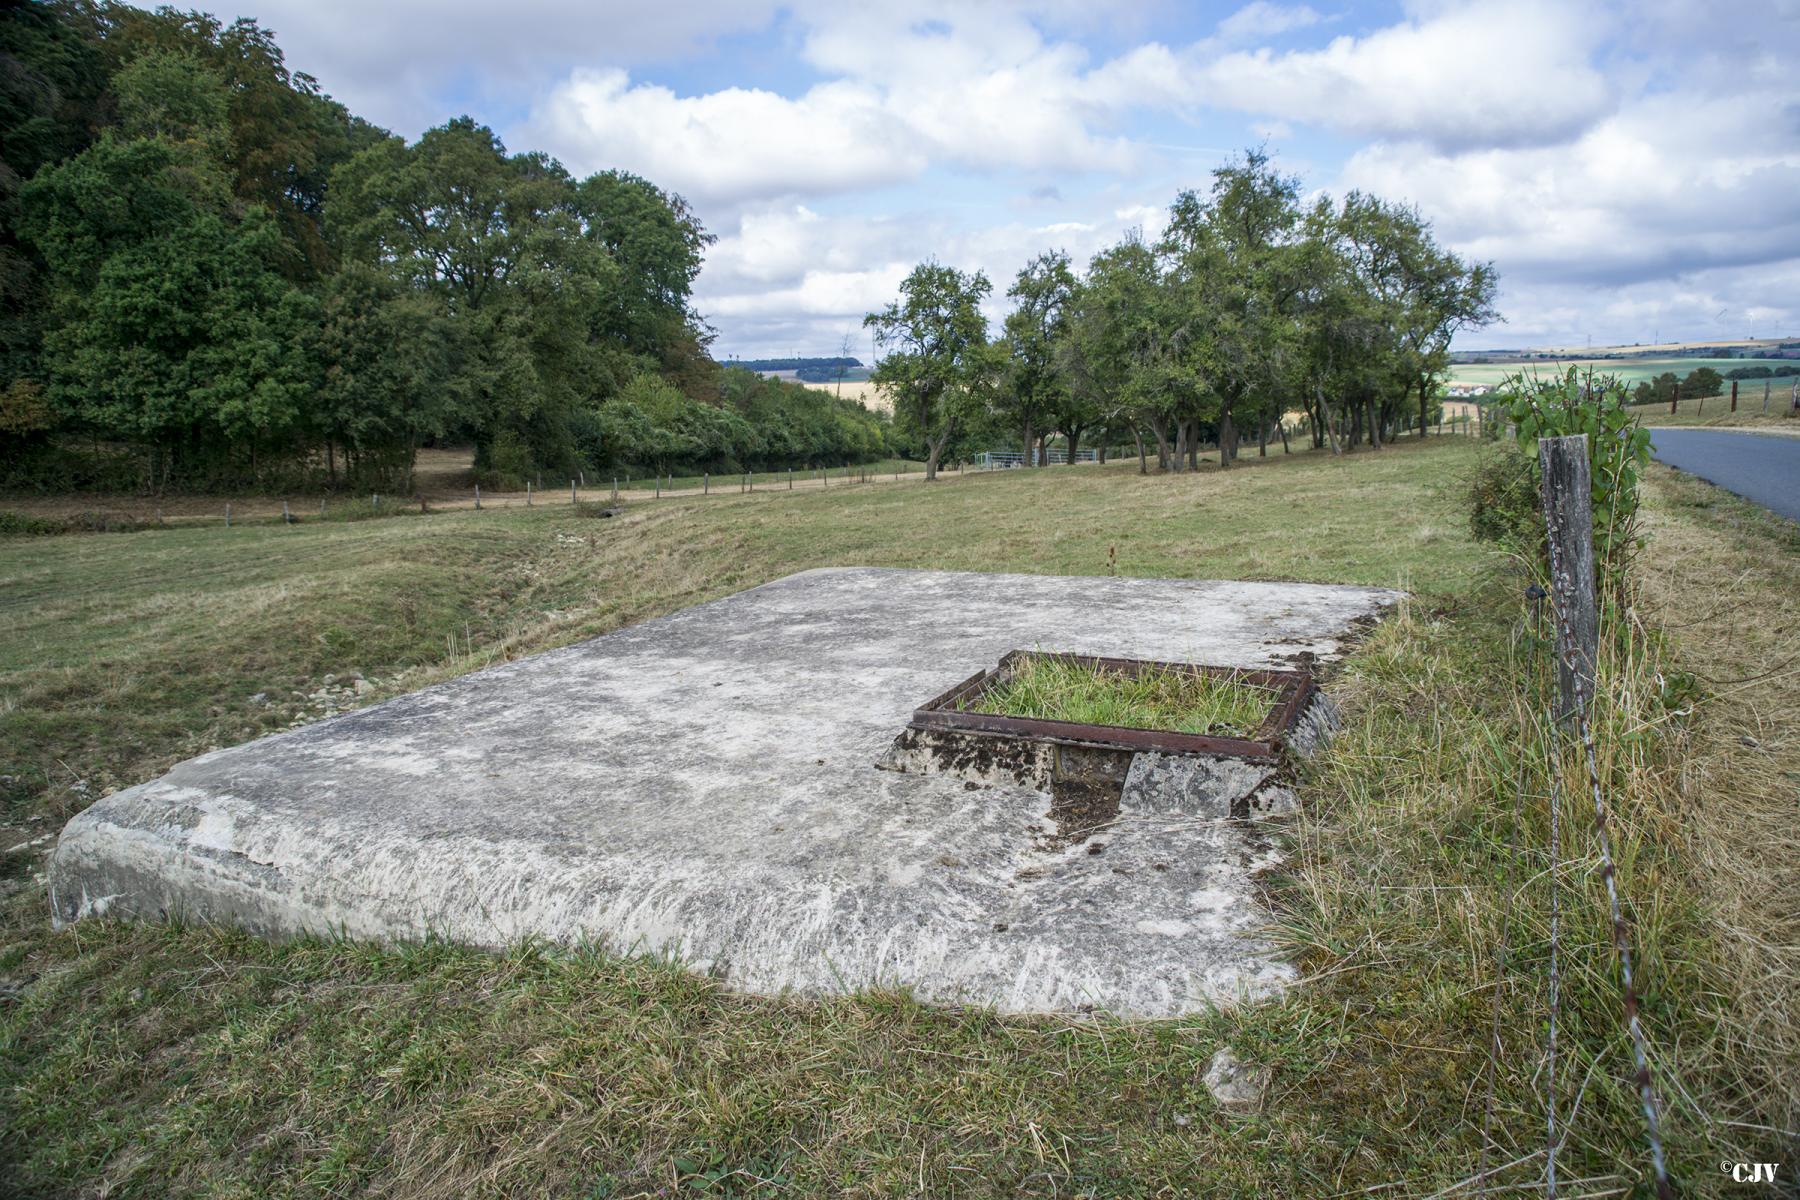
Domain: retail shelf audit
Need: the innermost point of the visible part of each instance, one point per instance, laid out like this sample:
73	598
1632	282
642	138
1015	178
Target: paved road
1764	468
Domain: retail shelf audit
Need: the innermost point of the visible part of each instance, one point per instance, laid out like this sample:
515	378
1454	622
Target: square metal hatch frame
1293	691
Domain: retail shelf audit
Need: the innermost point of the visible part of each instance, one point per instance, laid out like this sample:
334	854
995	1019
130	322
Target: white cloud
731	145
1508	74
398	62
1262	19
1612	232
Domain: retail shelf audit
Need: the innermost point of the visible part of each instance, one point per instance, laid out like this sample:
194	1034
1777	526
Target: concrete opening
1091	770
703	786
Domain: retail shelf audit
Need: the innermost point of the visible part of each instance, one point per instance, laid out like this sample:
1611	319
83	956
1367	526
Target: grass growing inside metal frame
1056	689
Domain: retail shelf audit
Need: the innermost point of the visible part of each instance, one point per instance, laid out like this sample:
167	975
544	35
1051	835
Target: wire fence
1561	629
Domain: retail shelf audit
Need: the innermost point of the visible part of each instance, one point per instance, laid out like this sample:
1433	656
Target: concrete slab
703	785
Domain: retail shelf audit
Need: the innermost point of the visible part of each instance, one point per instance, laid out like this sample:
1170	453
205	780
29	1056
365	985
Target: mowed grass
121	654
145	1060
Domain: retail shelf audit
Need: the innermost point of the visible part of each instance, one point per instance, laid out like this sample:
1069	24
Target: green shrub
17	524
1618	450
1503	502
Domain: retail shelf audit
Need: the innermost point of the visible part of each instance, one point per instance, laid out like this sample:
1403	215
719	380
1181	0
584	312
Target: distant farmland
1630	370
860	389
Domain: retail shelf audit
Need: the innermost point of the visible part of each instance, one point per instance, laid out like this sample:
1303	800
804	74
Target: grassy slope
147	1060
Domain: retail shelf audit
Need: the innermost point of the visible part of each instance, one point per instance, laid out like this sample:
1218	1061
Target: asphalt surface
1763	468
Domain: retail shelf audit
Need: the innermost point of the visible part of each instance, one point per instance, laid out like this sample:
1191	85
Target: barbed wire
1561	585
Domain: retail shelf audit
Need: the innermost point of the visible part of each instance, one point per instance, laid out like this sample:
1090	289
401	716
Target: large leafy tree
495	240
1034	383
657	243
174	328
938	366
52	88
375	407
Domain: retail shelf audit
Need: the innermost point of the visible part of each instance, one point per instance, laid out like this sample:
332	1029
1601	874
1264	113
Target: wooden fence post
572	499
478	497
1734	384
528	493
1569	524
1674	398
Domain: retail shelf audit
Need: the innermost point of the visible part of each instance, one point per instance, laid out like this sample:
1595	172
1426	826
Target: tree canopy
1250	307
215	275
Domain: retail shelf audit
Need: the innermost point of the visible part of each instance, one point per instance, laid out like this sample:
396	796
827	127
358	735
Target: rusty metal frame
1293	690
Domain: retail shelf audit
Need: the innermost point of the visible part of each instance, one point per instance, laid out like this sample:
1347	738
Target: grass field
154	1061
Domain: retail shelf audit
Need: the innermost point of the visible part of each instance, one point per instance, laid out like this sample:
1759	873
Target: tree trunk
1043	449
1074	443
1227	438
1423	429
1025	443
1262	438
1194	446
1282	426
1374	426
1138	436
1159	428
1327	426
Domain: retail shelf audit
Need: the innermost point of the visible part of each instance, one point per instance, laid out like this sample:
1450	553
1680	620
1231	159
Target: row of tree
1250	306
1702	382
214	274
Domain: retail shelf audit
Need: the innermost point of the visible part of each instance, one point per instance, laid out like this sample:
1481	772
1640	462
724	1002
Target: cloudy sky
1632	169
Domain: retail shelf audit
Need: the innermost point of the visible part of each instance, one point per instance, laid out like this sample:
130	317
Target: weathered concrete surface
703	785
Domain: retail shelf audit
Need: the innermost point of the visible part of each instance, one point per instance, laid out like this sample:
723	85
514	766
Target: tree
938	366
174	327
657	244
497	241
1034	385
374	405
1702	381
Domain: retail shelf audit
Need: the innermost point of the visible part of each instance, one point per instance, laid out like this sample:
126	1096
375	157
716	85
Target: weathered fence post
287	518
228	514
1734	384
790	479
706	483
659	485
478	497
1768	386
1569	524
1674	398
572	499
528	493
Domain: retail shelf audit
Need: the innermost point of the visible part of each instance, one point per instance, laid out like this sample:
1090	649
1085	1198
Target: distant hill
806	370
